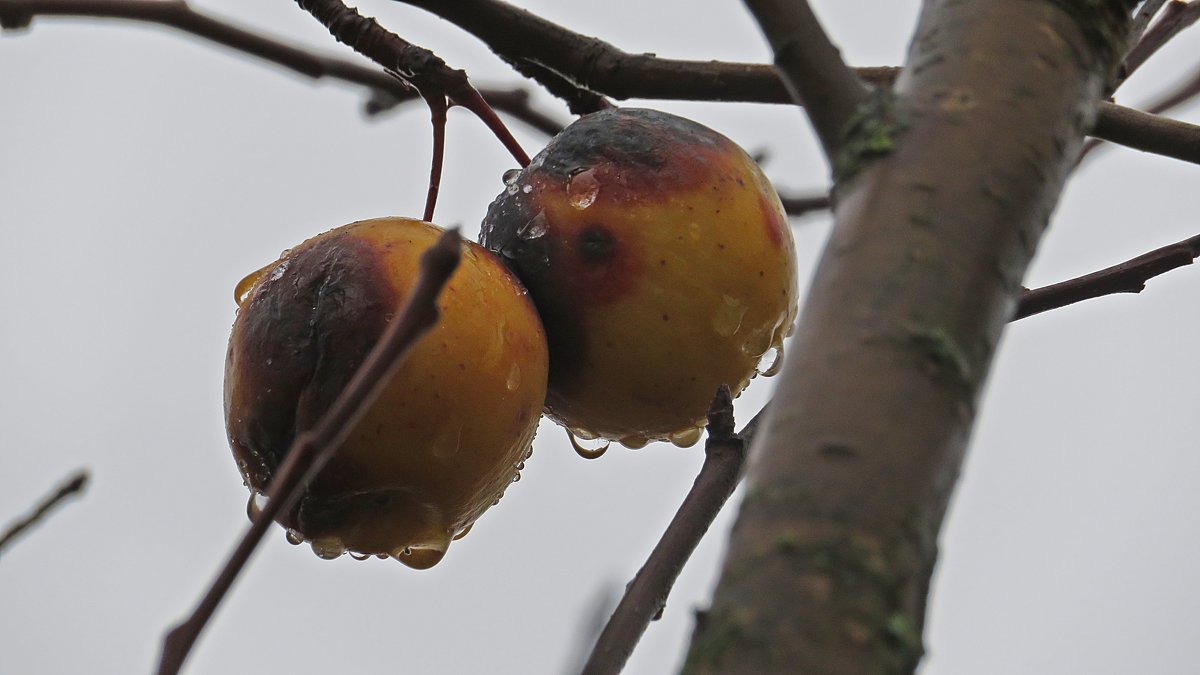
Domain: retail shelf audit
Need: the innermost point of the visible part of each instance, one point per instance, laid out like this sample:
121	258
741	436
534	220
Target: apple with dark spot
662	264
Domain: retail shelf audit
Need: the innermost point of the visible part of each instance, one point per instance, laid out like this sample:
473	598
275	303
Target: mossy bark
830	561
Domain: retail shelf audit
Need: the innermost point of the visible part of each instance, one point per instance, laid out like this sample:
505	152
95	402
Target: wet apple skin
448	432
676	276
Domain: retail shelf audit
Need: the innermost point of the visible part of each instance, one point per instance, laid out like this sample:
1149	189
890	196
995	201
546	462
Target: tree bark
944	188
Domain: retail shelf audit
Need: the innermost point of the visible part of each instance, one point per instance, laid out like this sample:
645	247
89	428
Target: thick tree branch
829	565
1127	277
811	67
72	487
799	205
313	448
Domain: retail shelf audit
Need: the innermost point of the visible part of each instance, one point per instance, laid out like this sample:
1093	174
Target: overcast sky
143	173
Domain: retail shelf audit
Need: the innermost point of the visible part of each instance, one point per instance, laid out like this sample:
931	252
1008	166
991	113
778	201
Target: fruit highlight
451	429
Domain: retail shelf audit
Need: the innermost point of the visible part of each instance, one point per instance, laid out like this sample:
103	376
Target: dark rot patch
298	340
637	155
596	245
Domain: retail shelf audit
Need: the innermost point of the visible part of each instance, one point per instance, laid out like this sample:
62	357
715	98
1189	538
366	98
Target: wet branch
72	487
646	595
1127	277
312	449
811	67
1149	133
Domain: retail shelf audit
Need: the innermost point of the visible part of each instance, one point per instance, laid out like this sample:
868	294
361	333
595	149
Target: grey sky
143	173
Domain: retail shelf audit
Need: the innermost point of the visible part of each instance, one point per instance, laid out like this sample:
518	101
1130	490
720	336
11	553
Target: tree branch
646	596
1177	17
416	65
70	488
386	91
811	67
313	448
1148	133
829	563
1127	277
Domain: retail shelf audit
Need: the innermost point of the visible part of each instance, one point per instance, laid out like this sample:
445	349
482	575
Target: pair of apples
637	263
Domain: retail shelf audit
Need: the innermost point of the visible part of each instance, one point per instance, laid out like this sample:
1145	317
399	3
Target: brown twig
1148	132
437	114
1127	277
418	66
799	205
1175	18
386	91
74	486
313	448
811	67
646	595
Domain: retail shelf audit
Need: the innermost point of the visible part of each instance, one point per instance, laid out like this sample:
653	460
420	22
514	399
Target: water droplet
242	291
423	556
634	441
463	532
359	556
516	476
279	270
294	537
583	188
509	177
527	189
511	189
514	378
575	436
771	361
686	438
728	319
255	505
534	228
520	466
328	548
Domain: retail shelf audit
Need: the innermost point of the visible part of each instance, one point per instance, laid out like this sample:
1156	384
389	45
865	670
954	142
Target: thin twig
418	66
1177	17
437	113
313	448
386	91
646	595
1127	277
73	486
799	205
811	67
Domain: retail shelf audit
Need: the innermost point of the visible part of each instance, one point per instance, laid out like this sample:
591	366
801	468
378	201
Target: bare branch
1177	17
418	66
646	595
386	92
313	448
521	37
1127	277
74	486
811	67
1148	132
799	205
